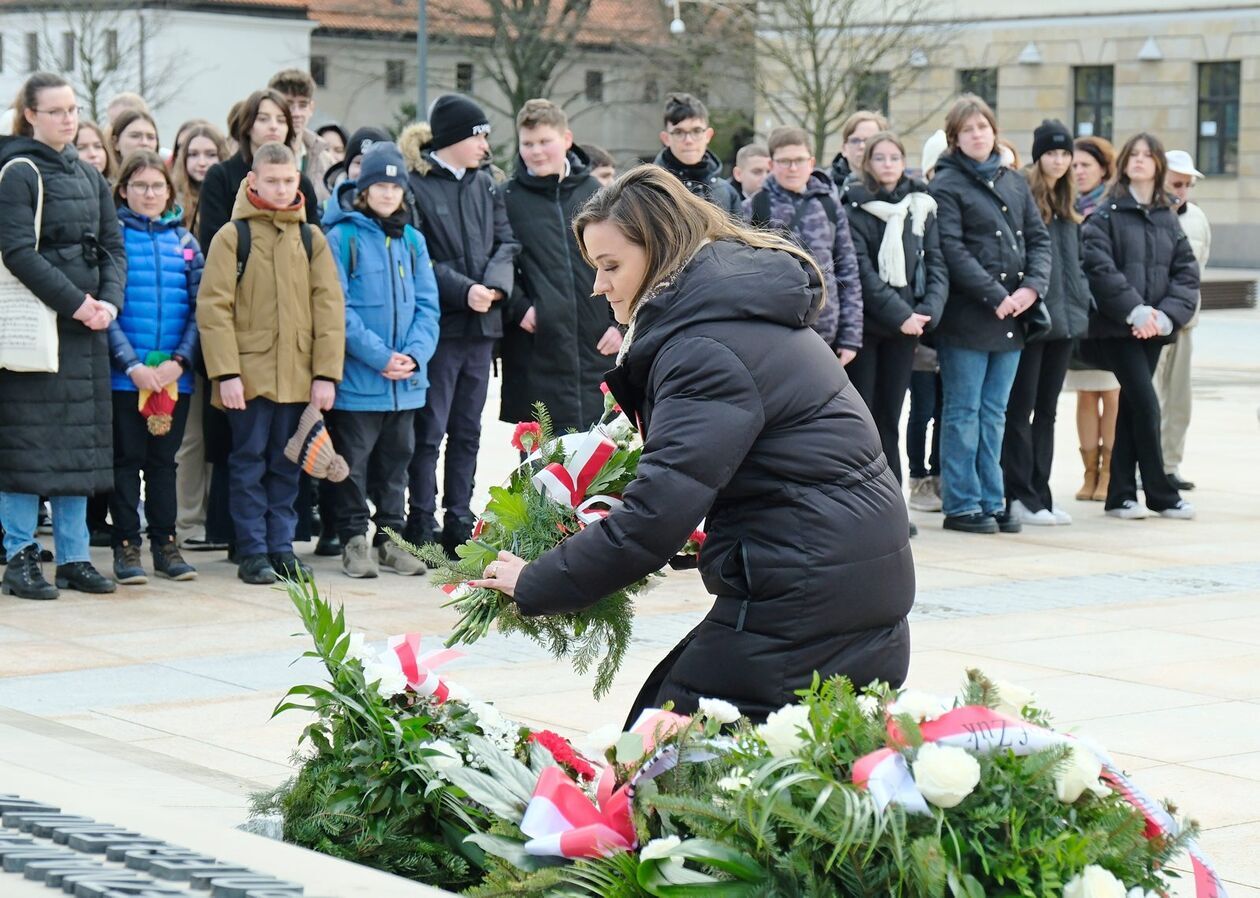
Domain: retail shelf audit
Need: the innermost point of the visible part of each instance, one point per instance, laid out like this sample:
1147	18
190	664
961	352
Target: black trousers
925	408
881	374
1028	445
459	376
1137	445
135	451
377	447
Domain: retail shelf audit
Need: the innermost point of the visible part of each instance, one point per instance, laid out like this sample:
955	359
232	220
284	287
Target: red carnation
698	537
527	436
563	753
610	404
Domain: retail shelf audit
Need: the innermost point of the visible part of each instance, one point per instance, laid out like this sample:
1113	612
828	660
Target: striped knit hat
311	448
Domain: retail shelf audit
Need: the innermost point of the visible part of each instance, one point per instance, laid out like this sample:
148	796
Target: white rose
870	705
1080	772
659	848
944	774
782	730
596	743
919	705
388	677
1094	882
722	712
1013	699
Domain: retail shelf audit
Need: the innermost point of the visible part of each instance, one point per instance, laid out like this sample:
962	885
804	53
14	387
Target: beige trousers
1172	385
192	473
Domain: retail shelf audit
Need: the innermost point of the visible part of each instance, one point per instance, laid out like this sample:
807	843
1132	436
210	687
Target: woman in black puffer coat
56	435
1146	283
904	283
749	422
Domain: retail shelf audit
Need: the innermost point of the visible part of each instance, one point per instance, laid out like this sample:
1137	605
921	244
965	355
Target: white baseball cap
1182	163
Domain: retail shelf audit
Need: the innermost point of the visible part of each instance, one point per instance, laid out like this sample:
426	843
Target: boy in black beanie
464	222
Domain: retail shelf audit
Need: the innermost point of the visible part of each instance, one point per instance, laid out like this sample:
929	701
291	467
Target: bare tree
104	48
820	60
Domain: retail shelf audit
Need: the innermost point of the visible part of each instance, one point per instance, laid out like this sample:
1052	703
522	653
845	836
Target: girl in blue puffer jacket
391	333
151	346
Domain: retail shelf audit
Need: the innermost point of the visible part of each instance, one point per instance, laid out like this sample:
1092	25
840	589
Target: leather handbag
1036	322
28	326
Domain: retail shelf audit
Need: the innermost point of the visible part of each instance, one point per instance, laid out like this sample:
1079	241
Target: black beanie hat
454	118
360	142
1051	134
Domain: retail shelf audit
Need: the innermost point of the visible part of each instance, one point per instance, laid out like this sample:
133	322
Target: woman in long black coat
751	423
56	435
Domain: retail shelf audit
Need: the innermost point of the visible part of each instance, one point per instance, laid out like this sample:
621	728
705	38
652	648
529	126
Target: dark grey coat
56	430
751	424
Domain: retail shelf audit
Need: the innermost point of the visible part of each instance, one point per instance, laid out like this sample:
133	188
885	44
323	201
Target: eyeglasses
881	159
687	134
797	162
67	113
156	188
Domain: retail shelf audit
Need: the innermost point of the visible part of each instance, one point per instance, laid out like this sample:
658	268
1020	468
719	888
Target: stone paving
150	708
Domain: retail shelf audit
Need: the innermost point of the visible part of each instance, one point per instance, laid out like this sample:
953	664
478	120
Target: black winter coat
994	242
218	196
751	424
470	242
1068	297
884	307
558	364
1136	255
56	430
704	179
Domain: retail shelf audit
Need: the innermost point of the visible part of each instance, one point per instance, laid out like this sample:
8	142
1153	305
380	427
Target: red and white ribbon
562	820
567	483
419	669
982	731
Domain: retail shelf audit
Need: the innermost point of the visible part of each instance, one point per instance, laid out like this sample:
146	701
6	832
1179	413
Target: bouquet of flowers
564	484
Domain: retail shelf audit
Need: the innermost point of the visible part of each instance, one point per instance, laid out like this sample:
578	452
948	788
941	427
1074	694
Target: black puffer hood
20	145
726	281
858	192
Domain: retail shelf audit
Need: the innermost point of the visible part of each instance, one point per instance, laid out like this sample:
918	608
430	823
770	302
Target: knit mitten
311	448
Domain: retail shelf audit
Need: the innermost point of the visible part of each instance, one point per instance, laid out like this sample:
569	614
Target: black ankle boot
80	575
24	579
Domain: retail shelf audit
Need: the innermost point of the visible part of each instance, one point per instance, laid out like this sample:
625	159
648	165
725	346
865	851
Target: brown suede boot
1090	458
1104	475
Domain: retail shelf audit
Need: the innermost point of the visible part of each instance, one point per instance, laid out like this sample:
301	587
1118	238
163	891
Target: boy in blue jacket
391	333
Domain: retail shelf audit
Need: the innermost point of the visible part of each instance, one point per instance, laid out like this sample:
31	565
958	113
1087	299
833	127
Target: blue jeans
264	482
19	513
973	420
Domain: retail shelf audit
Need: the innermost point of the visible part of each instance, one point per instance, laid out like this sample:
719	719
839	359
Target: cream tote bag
28	327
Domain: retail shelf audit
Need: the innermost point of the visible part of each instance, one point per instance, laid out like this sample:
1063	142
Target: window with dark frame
871	92
1217	125
1093	93
319	70
394	69
594	86
32	51
464	77
67	51
981	82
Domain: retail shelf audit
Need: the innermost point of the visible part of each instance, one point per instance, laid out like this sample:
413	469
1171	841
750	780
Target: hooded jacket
840	323
885	307
994	242
164	265
558	364
465	225
751	424
391	306
219	192
704	179
1137	255
56	437
284	323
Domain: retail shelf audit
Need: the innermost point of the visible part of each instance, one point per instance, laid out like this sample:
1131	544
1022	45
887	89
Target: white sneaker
1182	511
1130	511
923	497
1022	513
1061	517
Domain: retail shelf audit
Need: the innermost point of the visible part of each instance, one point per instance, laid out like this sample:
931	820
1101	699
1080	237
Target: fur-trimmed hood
414	143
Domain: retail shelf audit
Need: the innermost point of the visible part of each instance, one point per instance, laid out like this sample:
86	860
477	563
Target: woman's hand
168	372
145	378
502	574
1147	330
610	343
529	321
914	325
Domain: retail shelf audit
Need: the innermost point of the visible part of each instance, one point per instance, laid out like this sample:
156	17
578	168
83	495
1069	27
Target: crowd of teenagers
320	310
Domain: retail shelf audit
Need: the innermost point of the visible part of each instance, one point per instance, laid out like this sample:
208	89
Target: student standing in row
752	165
687	156
855	131
314	159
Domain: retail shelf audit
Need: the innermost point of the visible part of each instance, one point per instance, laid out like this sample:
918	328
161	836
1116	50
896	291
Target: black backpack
243	240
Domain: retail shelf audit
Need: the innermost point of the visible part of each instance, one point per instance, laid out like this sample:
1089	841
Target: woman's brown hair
141	160
653	209
242	120
111	164
1057	200
1153	143
125	119
188	190
1102	151
868	177
964	108
28	98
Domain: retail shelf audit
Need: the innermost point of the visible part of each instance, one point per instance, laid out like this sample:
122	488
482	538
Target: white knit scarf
892	254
